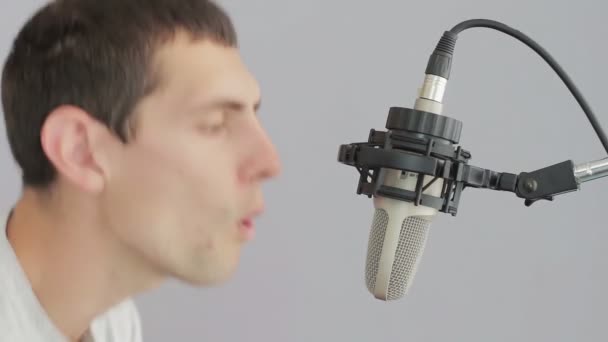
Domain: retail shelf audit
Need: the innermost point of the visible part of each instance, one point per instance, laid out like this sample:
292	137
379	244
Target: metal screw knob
530	185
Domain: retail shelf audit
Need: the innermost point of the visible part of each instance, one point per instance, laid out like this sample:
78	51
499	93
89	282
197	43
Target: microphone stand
591	170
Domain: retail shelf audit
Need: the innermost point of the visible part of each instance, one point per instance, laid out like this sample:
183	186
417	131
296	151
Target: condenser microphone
416	169
400	229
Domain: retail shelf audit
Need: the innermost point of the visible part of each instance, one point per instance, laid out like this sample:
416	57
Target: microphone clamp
422	144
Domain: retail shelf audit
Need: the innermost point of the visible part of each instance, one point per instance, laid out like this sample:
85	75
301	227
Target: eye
213	125
212	129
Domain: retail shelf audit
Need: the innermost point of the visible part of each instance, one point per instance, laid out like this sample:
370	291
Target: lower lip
247	229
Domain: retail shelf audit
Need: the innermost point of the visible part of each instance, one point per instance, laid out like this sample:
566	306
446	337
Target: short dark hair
94	54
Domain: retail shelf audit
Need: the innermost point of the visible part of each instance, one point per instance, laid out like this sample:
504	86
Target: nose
262	161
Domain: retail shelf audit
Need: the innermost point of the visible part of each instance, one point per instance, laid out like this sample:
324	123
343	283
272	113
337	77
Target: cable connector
440	62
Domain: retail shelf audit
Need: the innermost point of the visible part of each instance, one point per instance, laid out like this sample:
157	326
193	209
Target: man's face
182	188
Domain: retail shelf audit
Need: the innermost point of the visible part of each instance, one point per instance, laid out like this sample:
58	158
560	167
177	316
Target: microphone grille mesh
412	241
374	248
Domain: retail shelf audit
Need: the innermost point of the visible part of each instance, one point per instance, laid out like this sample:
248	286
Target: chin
209	279
212	265
210	275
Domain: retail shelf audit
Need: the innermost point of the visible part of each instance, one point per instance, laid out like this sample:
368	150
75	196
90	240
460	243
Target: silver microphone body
400	229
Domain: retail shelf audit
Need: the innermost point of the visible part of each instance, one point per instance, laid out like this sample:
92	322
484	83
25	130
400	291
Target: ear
69	138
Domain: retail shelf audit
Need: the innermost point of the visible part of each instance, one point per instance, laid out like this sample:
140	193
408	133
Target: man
134	124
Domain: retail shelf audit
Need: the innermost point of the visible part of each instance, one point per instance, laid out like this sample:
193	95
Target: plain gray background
329	71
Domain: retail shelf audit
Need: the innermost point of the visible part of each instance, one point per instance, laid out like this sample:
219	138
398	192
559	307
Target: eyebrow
232	105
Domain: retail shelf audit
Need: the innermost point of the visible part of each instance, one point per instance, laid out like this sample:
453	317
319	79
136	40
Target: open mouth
247	223
247	229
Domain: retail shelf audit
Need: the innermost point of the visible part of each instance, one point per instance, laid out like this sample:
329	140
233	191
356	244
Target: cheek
211	171
198	183
176	205
142	189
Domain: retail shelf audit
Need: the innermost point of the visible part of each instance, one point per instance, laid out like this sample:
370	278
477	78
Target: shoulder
121	323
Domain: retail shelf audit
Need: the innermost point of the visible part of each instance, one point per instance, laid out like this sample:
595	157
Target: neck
77	269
